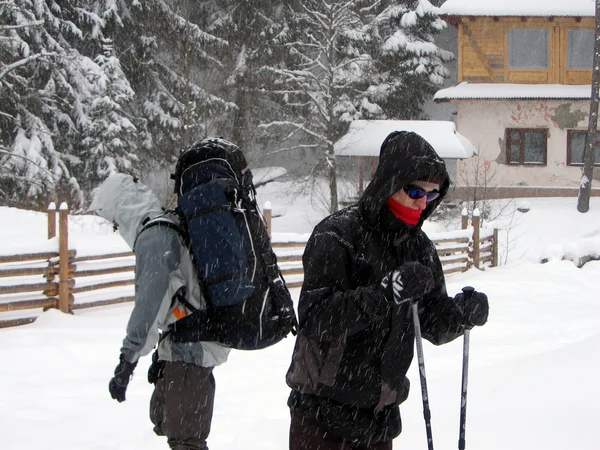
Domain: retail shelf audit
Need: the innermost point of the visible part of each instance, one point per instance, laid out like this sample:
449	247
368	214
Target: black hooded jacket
354	345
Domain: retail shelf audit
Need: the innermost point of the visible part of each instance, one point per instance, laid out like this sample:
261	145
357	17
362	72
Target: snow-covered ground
533	367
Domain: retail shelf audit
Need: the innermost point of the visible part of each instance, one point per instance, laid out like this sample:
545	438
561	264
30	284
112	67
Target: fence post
268	214
63	258
51	220
495	248
51	234
464	225
476	242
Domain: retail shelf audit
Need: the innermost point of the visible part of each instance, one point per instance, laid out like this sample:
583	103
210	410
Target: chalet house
523	92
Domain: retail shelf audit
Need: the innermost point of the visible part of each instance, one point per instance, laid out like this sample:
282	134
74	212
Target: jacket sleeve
157	255
330	307
441	321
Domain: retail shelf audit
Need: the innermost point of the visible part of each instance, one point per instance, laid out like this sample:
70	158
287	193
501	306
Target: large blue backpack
248	303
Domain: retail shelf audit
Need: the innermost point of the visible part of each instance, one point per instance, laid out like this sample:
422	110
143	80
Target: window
526	146
580	49
576	146
528	49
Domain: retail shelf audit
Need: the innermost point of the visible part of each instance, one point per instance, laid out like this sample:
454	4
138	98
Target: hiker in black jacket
363	266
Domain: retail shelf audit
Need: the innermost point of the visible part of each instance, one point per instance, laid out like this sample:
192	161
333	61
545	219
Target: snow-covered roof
364	138
540	8
481	91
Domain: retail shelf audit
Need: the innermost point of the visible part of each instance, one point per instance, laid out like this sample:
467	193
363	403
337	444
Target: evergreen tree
410	66
61	103
248	26
31	115
108	145
174	67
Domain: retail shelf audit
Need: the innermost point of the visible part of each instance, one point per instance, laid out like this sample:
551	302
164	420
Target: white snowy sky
466	90
533	367
364	137
544	8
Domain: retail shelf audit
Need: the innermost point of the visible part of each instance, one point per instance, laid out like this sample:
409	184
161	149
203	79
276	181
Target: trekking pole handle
468	293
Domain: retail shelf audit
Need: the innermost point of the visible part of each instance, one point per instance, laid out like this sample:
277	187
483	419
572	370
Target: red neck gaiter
408	216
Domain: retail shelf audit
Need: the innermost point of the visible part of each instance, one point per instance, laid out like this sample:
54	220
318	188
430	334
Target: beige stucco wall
484	124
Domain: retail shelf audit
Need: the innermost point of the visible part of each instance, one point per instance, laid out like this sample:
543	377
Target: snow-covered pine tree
248	26
31	162
174	67
410	66
108	145
107	141
65	128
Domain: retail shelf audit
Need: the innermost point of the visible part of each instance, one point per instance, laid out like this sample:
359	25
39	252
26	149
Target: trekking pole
467	292
421	359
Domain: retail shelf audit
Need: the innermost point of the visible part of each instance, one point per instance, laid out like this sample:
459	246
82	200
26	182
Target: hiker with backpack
201	286
367	268
182	403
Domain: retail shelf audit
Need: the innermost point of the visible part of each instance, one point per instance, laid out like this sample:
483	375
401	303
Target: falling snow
533	367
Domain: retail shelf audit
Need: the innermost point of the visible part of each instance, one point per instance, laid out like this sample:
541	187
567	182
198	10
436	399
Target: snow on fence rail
57	277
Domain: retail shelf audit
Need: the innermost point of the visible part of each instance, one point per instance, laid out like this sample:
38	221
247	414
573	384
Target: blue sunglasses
416	192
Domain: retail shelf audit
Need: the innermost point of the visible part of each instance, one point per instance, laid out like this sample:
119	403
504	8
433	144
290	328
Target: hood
404	158
123	200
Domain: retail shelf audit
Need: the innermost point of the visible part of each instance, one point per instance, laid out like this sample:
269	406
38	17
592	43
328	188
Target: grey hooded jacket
163	265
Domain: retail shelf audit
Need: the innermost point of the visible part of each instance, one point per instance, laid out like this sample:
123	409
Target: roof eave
446	99
454	18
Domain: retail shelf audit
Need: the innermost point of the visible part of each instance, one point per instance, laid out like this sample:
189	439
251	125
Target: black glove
410	281
473	305
118	383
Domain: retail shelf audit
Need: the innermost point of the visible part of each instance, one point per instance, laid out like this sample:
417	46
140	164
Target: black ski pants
181	406
307	435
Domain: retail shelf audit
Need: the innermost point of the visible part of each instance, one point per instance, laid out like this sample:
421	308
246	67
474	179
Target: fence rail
34	282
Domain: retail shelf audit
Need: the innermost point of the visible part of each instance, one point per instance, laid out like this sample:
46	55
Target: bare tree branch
9	153
295	147
298	126
23	62
21	26
8	116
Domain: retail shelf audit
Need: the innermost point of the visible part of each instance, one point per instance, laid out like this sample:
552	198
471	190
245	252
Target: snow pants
181	406
307	435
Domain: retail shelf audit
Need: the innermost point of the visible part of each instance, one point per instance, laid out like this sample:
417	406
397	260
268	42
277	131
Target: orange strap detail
180	312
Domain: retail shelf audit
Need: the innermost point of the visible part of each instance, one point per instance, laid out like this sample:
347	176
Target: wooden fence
33	282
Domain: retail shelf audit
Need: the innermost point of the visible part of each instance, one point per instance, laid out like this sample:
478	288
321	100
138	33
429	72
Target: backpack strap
159	220
202	212
180	296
